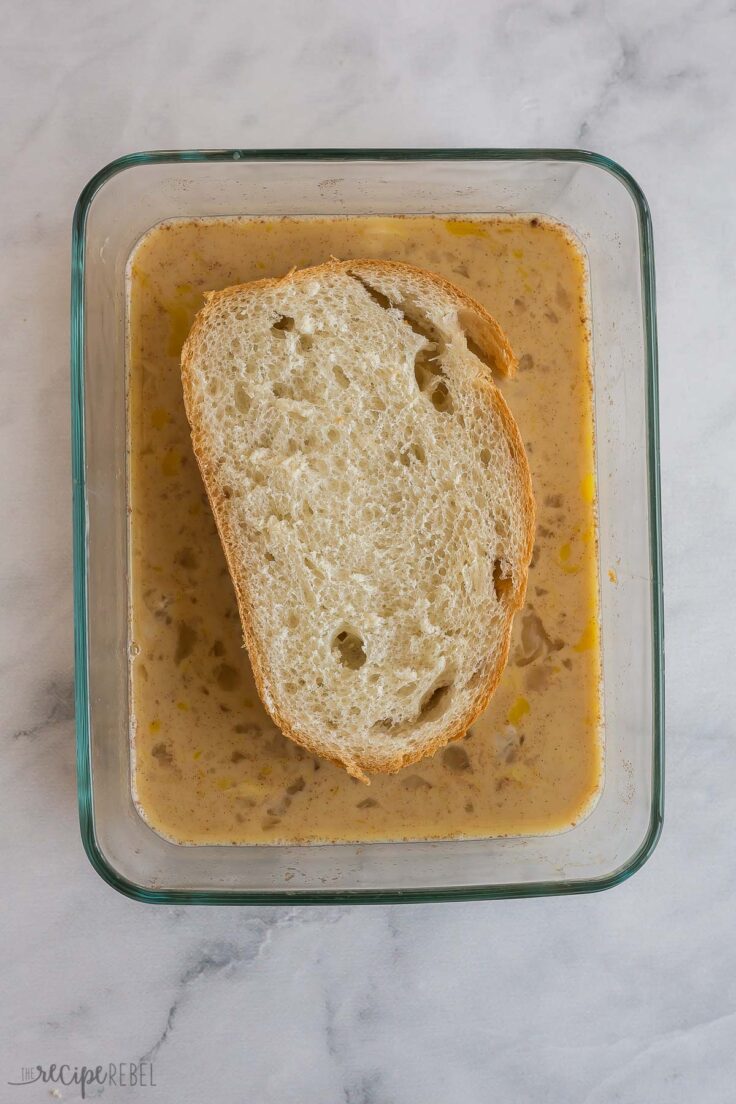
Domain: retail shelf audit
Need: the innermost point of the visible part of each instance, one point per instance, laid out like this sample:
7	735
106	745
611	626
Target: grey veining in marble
626	997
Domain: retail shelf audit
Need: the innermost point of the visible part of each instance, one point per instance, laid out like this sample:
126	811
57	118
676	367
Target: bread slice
373	497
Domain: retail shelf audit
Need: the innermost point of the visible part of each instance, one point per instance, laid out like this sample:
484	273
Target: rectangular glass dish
605	210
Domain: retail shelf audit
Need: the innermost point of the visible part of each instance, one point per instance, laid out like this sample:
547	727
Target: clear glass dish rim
79	526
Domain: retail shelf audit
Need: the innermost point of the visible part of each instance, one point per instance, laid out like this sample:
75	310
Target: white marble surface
626	997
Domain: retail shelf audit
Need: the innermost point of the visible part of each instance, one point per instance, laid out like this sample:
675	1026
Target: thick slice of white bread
373	497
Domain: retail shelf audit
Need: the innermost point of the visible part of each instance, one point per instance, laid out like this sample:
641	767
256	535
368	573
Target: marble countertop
628	996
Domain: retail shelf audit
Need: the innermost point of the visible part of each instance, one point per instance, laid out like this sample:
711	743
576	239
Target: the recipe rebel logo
122	1075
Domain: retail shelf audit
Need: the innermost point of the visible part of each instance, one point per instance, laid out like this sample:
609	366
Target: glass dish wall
608	214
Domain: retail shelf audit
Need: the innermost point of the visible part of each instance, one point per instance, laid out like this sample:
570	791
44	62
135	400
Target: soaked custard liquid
209	765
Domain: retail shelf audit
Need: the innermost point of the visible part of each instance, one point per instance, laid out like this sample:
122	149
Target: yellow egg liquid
209	765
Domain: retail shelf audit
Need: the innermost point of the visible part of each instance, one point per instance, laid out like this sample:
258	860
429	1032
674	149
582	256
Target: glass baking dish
605	209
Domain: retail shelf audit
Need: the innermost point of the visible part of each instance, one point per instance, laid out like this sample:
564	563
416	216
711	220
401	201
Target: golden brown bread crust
494	345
